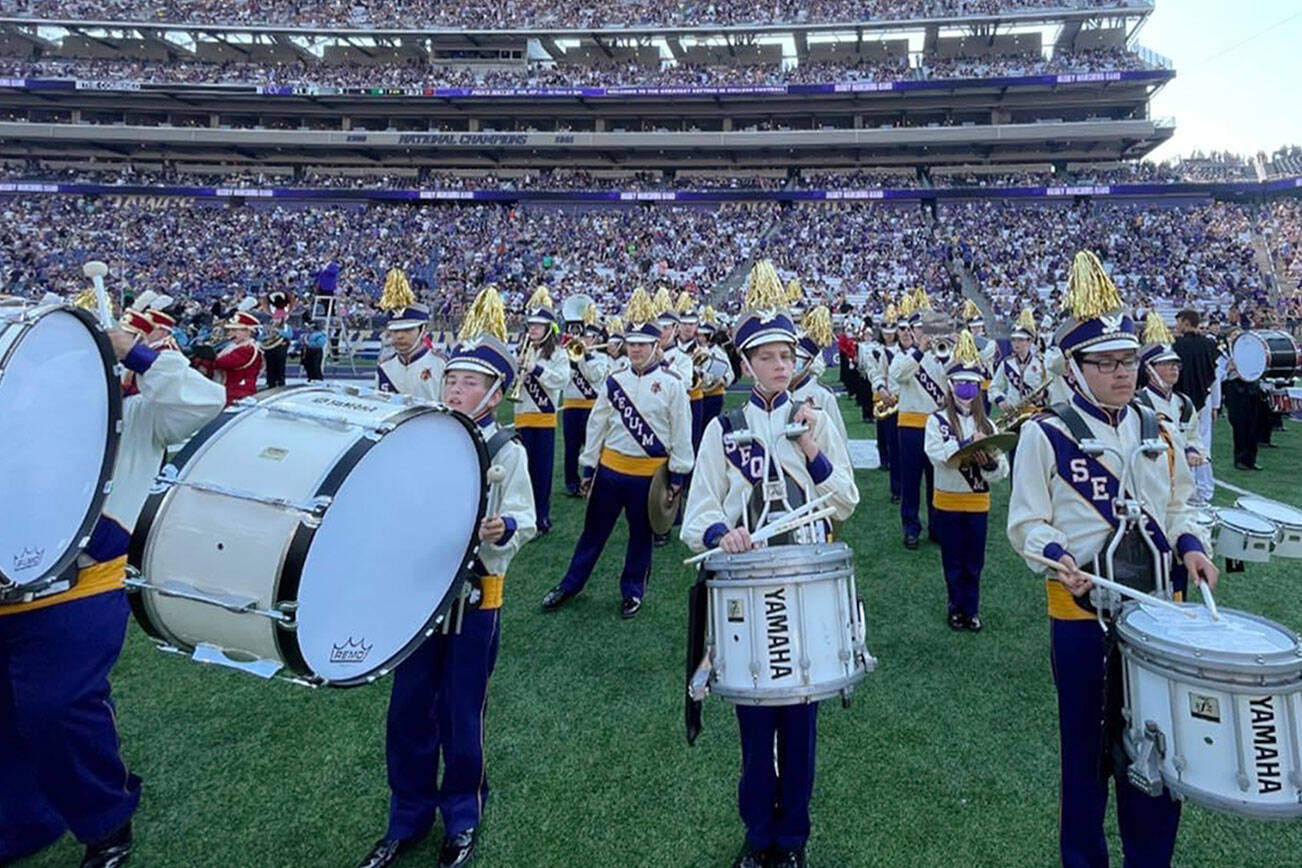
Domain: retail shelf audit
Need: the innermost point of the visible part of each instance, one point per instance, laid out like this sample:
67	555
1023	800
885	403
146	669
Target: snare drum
1286	519
785	625
321	529
60	419
1243	536
1214	709
1269	354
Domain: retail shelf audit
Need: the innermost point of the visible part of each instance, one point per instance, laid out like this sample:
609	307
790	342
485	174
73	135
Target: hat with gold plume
972	314
481	344
1098	319
615	327
592	320
965	364
400	302
540	310
765	319
663	304
921	304
686	308
795	297
640	317
815	332
890	319
709	321
1025	325
1157	341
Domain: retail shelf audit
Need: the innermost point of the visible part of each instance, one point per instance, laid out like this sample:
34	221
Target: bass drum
1269	354
318	529
60	419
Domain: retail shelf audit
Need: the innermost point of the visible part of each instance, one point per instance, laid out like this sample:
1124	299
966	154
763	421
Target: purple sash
585	388
638	427
538	394
972	475
933	390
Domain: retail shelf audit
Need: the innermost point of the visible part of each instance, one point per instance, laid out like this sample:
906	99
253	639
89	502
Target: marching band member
885	397
713	385
238	364
815	334
671	356
60	765
138	321
1062	508
413	368
615	344
1020	373
544	371
161	336
726	501
987	349
275	346
919	374
641	421
436	710
688	322
962	495
1159	370
865	359
586	375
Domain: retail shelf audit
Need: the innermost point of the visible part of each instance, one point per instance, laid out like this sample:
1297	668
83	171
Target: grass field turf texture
948	755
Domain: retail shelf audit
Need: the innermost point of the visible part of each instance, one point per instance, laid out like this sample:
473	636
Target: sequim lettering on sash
638	427
935	392
538	394
1015	378
585	388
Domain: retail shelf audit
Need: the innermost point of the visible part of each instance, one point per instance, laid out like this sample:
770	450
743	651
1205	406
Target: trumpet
886	407
577	349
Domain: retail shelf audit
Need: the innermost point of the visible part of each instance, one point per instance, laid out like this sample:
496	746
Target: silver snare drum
1286	519
785	625
1243	536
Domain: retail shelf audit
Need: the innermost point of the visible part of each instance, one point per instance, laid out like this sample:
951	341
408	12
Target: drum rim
112	438
1279	523
813	551
291	567
1160	649
800	695
1246	531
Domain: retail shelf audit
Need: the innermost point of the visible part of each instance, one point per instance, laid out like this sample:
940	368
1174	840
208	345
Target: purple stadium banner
849	87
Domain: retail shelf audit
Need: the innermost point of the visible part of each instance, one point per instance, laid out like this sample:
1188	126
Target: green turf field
949	755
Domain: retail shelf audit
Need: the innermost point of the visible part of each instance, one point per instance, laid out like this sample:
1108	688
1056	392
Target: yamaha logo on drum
28	558
779	633
350	651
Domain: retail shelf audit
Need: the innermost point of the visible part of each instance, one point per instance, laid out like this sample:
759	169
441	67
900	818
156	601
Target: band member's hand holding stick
1075	575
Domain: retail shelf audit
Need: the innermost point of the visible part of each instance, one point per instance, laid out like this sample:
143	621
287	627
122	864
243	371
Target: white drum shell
785	625
240	548
1287	522
1229	722
1244	536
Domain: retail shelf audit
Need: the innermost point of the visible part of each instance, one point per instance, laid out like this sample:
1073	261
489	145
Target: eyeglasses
1110	366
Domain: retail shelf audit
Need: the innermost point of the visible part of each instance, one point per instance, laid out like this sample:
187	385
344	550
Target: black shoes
659	539
749	857
457	850
956	620
555	598
1238	466
630	607
110	852
385	852
911	543
895	498
973	624
784	858
959	621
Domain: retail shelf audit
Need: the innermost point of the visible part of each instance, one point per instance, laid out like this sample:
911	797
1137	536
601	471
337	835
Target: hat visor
400	324
774	336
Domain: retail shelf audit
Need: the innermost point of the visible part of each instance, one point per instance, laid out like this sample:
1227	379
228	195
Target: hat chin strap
1083	387
483	402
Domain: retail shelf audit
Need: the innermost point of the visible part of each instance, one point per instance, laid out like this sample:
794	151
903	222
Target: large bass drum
60	419
1269	354
317	529
785	625
1214	708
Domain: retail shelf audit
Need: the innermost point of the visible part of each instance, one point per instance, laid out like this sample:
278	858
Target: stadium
333	179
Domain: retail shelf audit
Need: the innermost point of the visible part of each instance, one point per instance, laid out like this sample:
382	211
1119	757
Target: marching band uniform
672	357
920	377
1063	504
687	347
419	372
962	495
865	359
773	802
60	768
1018	377
1175	407
535	413
586	375
878	373
816	334
713	388
238	364
641	420
275	346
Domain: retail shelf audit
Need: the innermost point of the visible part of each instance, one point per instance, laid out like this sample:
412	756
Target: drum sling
766	492
472	592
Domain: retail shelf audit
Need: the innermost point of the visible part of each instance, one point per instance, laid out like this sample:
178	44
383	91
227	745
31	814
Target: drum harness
778	493
1132	558
472	589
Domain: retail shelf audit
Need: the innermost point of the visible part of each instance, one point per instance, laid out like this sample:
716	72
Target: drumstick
1208	600
1115	586
96	270
776	528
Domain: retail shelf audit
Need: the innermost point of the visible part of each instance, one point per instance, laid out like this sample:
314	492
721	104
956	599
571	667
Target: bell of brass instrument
884	407
525	354
577	349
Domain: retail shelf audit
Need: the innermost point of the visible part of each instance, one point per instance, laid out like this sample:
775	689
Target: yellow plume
817	326
487	316
663	301
970	310
764	291
965	351
1155	330
540	298
397	293
907	306
1090	292
794	293
615	325
591	316
920	300
1027	320
640	308
891	314
685	303
708	316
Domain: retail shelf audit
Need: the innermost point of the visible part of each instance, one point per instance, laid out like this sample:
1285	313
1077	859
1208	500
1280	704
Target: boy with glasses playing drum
1075	465
438	700
792	458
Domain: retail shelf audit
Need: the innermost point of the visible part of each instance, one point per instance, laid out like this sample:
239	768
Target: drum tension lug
1145	771
289	609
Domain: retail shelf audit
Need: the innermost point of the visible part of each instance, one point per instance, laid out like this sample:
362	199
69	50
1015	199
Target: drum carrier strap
735	421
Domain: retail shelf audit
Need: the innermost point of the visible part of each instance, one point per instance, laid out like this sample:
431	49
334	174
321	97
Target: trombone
525	354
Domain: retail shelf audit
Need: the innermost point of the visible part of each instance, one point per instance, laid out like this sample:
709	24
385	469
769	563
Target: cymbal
1002	441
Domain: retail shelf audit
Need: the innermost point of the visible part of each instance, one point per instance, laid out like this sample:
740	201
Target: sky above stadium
1238	84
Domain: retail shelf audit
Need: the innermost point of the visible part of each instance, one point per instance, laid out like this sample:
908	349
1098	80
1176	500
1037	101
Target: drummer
436	710
725	504
60	765
962	496
413	368
1061	509
640	422
1159	369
